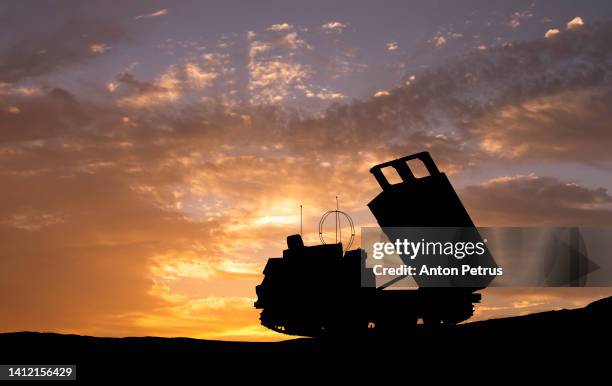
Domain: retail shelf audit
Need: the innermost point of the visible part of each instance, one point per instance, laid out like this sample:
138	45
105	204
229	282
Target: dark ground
560	342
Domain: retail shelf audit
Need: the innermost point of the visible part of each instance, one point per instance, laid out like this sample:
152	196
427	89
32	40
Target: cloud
333	26
198	77
274	71
518	17
161	12
150	201
141	186
392	46
292	41
381	93
531	200
71	43
112	209
165	89
95	241
194	75
575	23
565	125
492	104
279	27
257	48
551	33
174	266
99	48
541	99
270	80
440	39
33	220
323	93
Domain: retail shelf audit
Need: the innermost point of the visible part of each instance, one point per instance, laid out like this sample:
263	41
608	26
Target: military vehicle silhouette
317	290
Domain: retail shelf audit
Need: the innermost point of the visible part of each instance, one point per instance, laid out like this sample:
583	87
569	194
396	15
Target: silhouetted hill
567	335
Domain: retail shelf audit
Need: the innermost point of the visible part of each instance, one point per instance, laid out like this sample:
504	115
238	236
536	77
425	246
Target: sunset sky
154	154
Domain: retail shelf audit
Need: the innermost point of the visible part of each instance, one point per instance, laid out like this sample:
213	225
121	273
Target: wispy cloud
440	39
280	27
333	26
392	46
99	48
520	16
161	12
73	42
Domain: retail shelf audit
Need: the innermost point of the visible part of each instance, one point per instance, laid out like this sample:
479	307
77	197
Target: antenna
301	220
338	223
336	219
349	220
